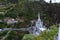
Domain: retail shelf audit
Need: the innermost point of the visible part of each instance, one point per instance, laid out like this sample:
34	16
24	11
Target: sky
53	1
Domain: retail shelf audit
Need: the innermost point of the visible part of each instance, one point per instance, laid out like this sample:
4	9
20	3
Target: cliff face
54	11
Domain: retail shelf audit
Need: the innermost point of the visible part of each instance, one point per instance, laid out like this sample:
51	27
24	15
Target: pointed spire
38	16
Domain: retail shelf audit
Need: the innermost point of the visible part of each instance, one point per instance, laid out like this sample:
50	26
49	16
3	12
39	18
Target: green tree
2	16
10	14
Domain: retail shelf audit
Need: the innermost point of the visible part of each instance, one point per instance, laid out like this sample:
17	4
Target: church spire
38	16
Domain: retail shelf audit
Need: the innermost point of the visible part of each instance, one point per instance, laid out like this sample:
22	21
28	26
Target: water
38	26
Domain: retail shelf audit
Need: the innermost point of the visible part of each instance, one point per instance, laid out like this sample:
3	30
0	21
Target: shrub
48	35
29	37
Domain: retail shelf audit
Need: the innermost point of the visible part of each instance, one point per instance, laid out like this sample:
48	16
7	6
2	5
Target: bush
29	37
48	35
